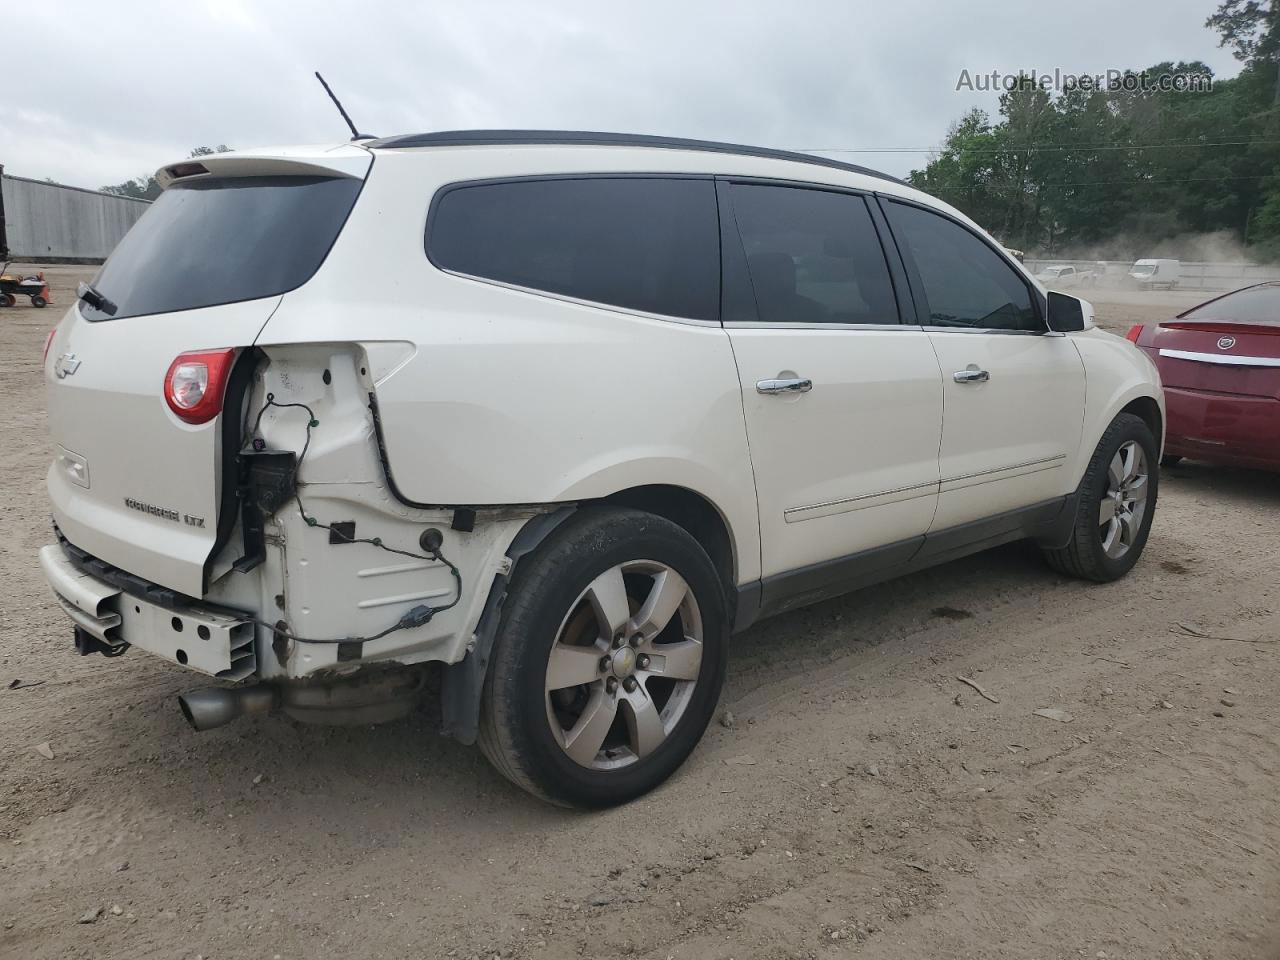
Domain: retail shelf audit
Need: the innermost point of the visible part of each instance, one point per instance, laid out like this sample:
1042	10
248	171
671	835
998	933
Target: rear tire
1115	505
571	714
8	300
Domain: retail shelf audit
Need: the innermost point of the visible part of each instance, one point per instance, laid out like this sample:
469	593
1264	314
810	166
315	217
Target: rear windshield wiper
93	298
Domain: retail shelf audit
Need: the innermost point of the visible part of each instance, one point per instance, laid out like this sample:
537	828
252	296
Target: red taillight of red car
48	342
1134	333
195	383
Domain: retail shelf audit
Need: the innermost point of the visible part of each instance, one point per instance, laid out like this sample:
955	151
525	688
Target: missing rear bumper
218	644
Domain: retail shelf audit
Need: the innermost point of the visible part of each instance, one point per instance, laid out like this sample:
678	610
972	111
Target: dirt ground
862	802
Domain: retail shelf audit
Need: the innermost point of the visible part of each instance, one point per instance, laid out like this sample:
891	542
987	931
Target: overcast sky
99	92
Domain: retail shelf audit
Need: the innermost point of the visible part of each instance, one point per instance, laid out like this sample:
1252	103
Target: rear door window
223	240
965	282
813	256
648	244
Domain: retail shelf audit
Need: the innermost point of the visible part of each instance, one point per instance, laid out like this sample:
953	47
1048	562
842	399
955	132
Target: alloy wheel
624	665
1124	503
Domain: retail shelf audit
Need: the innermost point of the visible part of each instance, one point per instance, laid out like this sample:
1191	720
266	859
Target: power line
1170	141
1060	147
1141	183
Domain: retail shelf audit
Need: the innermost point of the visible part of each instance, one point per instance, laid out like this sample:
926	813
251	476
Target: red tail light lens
48	342
195	383
1134	333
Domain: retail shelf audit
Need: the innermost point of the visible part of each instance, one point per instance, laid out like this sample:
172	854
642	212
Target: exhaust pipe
214	706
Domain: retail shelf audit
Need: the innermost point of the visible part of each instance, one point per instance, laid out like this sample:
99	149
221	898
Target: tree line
1114	171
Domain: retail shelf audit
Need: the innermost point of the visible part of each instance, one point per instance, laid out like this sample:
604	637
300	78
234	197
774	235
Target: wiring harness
415	617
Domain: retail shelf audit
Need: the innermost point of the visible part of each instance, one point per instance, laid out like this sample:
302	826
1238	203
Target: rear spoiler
345	160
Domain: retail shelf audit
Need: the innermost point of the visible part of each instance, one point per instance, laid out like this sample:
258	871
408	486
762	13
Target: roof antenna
355	134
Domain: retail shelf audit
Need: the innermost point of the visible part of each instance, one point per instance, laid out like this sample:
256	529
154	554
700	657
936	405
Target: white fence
1192	275
49	221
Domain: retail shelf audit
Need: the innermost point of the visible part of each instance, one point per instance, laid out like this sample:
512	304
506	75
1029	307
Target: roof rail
475	138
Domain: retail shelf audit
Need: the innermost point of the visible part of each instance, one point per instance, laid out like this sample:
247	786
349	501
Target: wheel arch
1118	379
688	509
1143	400
1148	410
695	514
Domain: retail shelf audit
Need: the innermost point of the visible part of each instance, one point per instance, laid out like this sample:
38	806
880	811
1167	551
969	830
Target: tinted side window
813	256
645	244
966	283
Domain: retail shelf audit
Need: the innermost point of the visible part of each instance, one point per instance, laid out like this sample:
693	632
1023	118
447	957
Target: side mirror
1066	314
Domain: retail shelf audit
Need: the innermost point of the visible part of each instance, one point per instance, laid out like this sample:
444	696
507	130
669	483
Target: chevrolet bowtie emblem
66	365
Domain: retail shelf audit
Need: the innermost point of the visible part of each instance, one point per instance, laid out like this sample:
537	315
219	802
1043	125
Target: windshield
1259	304
1144	268
223	240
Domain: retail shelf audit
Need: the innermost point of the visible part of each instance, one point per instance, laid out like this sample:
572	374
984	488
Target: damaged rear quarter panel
333	590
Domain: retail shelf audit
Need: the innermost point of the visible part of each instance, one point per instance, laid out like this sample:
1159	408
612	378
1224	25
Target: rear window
223	240
1251	305
635	242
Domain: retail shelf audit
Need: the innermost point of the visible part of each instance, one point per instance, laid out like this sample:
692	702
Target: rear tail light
1134	333
179	170
195	383
48	342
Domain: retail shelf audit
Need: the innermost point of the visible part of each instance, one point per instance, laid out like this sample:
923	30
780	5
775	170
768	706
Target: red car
1220	363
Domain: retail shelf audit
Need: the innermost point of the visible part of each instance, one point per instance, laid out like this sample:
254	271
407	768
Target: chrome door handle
796	385
972	375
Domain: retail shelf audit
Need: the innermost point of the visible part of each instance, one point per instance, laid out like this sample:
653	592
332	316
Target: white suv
549	416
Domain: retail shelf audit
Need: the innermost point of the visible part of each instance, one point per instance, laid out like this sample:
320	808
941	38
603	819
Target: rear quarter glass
640	243
224	240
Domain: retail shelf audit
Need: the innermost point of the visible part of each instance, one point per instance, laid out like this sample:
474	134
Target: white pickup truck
1061	277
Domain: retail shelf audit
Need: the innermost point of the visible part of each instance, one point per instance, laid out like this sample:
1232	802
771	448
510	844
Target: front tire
608	661
1116	504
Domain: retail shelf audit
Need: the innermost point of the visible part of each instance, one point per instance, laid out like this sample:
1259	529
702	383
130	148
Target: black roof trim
476	138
